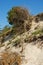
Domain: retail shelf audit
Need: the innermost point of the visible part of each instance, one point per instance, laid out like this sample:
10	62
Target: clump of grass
39	31
10	59
1	45
15	43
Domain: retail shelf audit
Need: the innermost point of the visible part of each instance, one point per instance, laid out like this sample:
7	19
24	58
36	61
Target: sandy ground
33	55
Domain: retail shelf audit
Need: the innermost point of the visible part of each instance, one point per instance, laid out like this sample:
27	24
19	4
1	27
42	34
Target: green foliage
6	28
16	42
39	31
20	18
17	14
0	33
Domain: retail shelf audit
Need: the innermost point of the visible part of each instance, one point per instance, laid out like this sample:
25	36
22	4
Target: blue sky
34	6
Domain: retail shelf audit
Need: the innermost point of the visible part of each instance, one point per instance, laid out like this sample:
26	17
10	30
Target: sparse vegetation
38	31
16	42
18	34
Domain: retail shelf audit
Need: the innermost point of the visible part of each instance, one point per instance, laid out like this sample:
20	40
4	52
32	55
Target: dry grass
10	59
1	45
